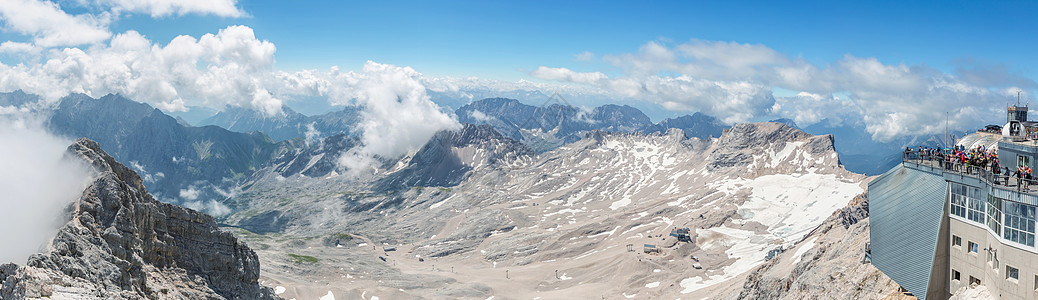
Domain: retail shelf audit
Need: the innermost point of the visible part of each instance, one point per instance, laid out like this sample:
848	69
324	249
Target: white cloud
732	101
162	8
210	207
650	59
480	116
37	183
51	26
808	108
312	134
18	48
231	67
585	56
563	74
189	194
398	116
733	81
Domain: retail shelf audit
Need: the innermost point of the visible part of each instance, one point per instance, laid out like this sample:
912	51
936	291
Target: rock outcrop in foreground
120	243
827	264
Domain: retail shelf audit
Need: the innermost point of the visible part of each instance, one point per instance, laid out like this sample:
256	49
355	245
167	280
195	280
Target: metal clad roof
973	140
905	209
968	140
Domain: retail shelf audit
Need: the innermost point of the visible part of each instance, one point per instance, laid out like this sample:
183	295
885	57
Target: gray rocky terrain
120	243
570	222
828	264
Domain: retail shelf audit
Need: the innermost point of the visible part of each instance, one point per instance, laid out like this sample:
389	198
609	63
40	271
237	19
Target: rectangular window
956	241
1036	282
958	200
967	203
1019	223
1023	161
976	210
973	247
1012	273
974	280
955	275
995	214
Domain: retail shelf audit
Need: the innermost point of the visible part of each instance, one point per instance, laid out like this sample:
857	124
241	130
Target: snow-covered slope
577	209
828	264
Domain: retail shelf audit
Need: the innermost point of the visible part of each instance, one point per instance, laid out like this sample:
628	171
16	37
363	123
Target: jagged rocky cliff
120	243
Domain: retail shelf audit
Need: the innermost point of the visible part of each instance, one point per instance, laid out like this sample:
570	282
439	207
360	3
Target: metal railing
941	162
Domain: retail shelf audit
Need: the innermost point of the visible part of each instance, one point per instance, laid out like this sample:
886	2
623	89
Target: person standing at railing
1018	174
1027	176
996	171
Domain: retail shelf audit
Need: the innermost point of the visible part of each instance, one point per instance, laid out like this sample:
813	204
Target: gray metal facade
906	207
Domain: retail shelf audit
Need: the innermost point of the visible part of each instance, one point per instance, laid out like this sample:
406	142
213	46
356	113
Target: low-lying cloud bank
37	184
398	115
735	82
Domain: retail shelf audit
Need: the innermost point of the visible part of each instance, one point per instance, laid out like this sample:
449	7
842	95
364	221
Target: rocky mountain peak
470	134
774	146
90	152
120	243
750	134
450	155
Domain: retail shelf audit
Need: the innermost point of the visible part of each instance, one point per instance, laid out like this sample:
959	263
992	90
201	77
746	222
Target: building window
955	275
976	211
974	280
1036	282
995	214
1012	273
966	202
956	241
973	247
958	200
1019	223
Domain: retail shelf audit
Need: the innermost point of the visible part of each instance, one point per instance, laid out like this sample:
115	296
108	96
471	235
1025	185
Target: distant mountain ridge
17	98
449	156
545	128
697	125
287	125
179	164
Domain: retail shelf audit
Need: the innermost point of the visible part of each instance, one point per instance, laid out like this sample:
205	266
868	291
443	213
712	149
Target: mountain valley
536	202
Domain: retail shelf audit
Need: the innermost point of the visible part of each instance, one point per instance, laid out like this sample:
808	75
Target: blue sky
502	39
886	65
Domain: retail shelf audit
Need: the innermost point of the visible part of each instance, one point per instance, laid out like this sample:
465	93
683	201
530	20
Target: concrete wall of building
938	288
977	265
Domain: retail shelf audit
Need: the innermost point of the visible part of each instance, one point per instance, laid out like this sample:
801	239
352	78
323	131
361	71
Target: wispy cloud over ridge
38	182
734	82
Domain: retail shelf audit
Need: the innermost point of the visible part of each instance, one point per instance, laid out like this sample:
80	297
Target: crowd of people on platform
971	161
